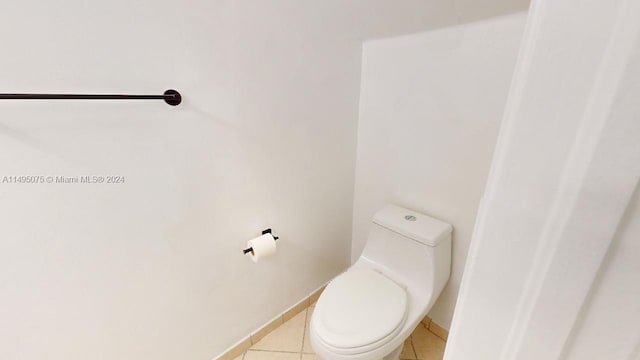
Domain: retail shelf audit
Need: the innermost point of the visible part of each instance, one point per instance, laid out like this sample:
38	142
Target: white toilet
368	311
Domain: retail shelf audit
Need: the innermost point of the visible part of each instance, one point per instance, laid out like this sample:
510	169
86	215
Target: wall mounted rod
171	97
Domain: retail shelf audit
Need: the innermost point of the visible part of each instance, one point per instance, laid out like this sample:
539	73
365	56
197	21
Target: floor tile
407	350
287	337
310	357
271	355
307	341
427	345
291	341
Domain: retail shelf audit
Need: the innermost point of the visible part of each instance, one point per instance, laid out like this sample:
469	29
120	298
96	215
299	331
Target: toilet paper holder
267	231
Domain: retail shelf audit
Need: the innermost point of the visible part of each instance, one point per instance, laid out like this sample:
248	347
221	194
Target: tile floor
290	341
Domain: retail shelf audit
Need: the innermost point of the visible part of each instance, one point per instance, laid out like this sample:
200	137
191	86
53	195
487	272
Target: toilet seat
359	310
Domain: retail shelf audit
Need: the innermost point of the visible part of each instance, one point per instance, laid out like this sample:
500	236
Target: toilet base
395	354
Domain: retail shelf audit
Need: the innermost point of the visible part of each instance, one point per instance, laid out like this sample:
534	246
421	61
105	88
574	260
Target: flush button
410	218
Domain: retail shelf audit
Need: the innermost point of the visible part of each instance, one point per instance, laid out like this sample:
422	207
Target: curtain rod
171	97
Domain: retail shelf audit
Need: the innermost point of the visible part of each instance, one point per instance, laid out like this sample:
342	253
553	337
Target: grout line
304	330
413	348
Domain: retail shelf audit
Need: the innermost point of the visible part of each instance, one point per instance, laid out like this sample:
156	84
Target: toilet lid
359	308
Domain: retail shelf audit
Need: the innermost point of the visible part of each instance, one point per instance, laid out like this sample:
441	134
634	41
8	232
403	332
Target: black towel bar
171	97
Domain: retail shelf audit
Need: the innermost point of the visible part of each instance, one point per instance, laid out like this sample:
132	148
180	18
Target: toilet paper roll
262	246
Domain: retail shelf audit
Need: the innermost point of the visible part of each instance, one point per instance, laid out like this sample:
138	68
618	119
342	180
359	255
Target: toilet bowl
368	311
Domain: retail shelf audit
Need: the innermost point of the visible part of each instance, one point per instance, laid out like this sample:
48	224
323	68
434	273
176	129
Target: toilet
368	311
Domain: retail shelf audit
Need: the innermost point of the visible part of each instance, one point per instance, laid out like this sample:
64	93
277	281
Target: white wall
430	108
152	269
548	274
608	325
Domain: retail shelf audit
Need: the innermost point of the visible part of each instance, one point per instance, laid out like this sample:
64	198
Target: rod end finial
172	97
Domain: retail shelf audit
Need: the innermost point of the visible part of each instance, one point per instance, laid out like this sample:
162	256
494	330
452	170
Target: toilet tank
411	248
415	226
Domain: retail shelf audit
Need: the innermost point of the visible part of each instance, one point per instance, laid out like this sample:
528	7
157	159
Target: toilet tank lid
411	224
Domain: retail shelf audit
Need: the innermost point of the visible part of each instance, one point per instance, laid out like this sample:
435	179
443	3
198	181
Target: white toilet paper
262	246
